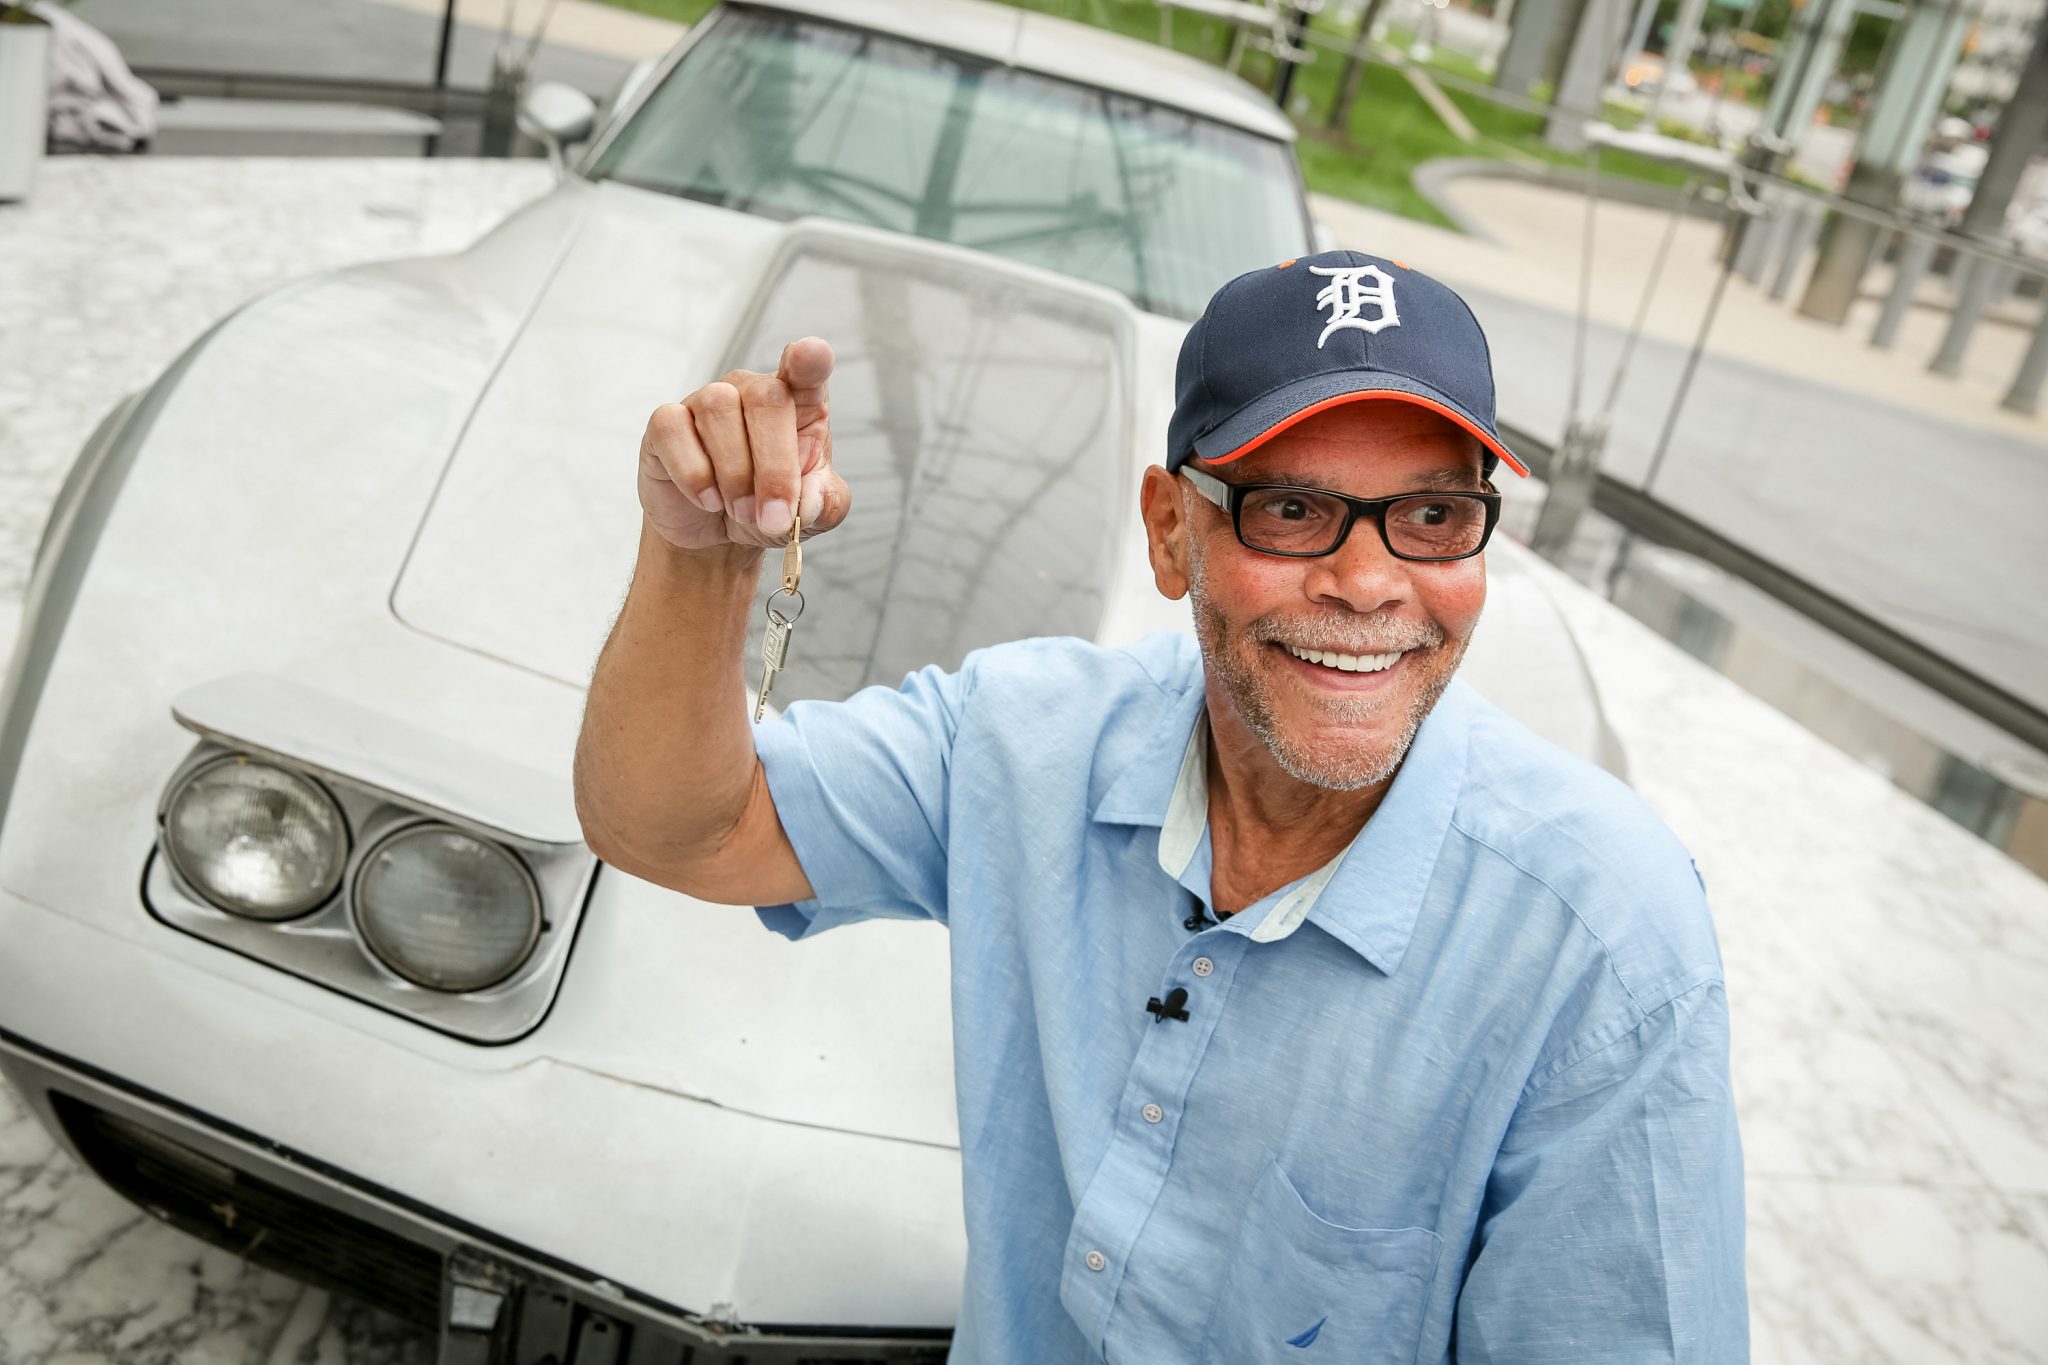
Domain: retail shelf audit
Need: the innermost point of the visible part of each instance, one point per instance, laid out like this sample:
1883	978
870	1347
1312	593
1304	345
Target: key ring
776	613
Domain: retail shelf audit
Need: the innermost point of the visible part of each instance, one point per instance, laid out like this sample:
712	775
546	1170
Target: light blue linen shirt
1465	1100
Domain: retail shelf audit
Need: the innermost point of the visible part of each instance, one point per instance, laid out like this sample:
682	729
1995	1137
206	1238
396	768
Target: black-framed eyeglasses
1283	519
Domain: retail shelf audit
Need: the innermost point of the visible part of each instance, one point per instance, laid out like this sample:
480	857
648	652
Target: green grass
1445	59
682	11
1391	130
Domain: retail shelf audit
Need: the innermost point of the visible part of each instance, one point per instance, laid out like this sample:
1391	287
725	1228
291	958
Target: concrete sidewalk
589	46
581	24
1919	499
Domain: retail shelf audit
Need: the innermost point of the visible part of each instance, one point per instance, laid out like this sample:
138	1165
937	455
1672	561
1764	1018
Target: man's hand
734	461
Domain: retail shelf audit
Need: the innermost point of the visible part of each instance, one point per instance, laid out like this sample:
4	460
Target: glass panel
966	533
783	117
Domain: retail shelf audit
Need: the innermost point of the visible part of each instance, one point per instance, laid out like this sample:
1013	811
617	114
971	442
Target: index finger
806	365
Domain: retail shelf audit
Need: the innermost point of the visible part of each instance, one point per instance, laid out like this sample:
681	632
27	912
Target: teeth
1346	663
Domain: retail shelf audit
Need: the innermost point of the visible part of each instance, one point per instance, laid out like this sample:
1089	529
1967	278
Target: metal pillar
1536	44
1283	83
1799	237
2025	393
1353	71
1973	291
1639	32
1759	243
1915	255
1568	489
1916	73
1580	88
1819	29
1810	51
1677	54
2021	125
501	107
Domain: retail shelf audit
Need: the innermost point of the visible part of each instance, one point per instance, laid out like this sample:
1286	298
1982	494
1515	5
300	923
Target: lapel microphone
1170	1008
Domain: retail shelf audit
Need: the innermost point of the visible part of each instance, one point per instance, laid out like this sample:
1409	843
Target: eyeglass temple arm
1209	486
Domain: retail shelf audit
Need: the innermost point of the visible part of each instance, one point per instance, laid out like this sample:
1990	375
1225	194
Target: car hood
980	411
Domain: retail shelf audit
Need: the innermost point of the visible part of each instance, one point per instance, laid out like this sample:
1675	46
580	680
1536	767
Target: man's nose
1361	575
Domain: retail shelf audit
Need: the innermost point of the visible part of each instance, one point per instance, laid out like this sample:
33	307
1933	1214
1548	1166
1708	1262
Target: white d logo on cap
1347	294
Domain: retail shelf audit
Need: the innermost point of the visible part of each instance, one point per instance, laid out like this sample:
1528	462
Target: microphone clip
1170	1008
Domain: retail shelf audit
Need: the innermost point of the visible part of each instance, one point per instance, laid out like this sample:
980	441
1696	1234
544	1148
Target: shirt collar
1369	896
1142	792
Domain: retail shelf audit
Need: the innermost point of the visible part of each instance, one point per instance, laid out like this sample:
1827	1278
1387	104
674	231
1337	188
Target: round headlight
444	909
254	839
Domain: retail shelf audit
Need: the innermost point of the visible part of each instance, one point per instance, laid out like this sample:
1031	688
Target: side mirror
556	116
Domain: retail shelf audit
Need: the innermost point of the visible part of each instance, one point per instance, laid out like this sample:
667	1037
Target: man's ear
1166	531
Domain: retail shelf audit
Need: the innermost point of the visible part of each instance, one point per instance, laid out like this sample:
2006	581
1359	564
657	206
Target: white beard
1333	766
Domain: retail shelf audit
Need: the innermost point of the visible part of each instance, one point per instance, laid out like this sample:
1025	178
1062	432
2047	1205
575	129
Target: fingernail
743	509
709	500
775	517
814	504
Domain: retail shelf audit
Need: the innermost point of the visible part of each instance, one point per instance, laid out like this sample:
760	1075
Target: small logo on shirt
1347	296
1310	1335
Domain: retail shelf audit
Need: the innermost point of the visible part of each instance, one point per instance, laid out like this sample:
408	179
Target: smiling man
1318	1008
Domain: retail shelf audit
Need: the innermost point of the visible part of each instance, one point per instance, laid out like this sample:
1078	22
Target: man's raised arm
667	783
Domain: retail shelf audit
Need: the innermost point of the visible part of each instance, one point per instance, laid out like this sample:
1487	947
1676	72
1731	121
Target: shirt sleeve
1613	1223
861	789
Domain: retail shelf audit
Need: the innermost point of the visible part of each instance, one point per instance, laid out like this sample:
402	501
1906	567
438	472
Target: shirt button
1203	966
1094	1261
1153	1113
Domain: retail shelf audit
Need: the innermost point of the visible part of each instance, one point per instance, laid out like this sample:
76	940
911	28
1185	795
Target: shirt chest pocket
1300	1288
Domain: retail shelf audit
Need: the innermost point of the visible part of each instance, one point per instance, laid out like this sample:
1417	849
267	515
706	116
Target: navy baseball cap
1285	341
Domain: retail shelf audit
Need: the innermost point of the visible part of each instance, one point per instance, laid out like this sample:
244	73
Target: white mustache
1346	637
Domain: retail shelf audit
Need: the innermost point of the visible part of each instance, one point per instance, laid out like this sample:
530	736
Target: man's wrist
658	553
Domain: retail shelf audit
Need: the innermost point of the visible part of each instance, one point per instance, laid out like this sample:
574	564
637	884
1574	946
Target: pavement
587	45
1890	1060
582	24
1917	498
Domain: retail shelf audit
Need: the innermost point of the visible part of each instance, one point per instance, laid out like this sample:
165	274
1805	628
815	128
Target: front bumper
490	1301
617	1188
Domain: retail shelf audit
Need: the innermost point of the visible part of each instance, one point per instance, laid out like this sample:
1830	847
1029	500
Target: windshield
784	116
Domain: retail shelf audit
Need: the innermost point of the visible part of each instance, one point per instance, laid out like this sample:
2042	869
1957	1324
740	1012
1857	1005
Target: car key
775	643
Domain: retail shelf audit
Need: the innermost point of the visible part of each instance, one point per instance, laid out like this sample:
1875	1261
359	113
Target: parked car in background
1944	183
2029	228
305	952
1644	73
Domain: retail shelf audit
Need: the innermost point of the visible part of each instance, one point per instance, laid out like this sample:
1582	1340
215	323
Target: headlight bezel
325	946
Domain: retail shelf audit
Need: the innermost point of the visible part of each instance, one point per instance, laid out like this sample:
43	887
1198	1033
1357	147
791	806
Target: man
1309	1004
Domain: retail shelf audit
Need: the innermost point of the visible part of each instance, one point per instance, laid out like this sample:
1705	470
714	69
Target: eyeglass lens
1303	522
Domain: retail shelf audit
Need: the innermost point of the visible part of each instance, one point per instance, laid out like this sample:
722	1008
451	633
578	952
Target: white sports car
305	953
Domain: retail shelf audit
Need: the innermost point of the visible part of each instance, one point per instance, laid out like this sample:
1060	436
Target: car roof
1058	47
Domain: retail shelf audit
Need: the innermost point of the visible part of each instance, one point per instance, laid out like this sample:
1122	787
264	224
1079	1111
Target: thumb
806	365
